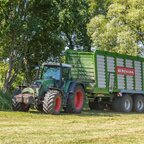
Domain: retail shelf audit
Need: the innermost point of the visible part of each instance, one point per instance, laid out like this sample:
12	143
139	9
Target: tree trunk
8	75
12	72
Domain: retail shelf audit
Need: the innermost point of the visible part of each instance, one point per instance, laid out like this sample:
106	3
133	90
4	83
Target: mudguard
53	88
71	90
72	86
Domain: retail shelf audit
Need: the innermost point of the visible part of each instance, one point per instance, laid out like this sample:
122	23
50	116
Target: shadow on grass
104	113
83	114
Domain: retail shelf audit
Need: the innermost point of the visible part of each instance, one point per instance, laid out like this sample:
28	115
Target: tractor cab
54	75
57	72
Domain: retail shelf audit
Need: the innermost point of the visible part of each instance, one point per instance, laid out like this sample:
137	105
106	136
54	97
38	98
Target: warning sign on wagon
125	71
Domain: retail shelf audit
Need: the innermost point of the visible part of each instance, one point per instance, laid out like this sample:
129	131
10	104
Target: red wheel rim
78	100
58	104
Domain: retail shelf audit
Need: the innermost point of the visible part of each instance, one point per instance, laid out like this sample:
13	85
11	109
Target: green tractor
53	89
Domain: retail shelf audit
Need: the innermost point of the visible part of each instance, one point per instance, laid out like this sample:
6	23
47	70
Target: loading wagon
110	79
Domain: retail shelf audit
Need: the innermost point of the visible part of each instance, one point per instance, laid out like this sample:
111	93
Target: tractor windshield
51	72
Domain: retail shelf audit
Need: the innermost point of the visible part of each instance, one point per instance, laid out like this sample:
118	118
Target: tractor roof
57	64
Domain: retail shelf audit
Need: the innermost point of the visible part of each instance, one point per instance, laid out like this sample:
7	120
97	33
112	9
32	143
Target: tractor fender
71	90
72	86
52	88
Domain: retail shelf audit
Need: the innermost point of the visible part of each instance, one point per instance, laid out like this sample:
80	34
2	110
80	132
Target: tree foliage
73	17
97	7
121	29
31	31
27	38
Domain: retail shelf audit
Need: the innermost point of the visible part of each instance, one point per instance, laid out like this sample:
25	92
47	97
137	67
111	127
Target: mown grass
89	127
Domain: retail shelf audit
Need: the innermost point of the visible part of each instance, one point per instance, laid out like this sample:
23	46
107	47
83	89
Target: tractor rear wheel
76	100
52	102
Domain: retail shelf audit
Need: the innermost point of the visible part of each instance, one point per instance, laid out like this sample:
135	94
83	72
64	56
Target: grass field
89	127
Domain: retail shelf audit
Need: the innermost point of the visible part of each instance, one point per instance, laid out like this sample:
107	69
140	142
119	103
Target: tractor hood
41	86
44	83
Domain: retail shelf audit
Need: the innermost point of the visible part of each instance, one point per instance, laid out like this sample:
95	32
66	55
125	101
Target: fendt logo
125	71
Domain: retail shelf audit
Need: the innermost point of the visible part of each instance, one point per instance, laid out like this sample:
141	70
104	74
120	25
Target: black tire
52	102
123	104
17	106
39	105
138	103
92	105
75	101
95	105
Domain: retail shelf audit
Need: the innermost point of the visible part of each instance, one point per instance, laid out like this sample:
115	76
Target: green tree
121	29
25	35
3	68
73	18
98	7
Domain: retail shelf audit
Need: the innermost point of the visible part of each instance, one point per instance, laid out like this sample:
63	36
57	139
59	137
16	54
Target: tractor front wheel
52	102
